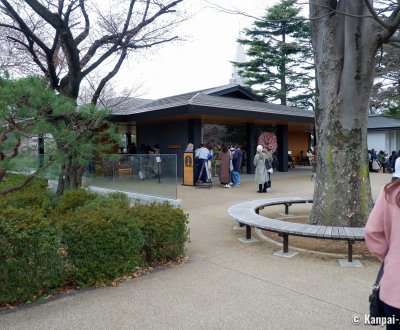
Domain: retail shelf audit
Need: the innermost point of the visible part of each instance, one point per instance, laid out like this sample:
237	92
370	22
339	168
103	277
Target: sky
200	62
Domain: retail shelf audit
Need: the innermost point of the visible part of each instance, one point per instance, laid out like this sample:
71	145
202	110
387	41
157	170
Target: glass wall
153	175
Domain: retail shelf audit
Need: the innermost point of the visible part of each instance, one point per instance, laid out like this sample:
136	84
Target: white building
383	133
240	56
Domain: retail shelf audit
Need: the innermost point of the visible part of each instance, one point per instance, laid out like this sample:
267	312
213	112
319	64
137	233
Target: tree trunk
345	47
70	176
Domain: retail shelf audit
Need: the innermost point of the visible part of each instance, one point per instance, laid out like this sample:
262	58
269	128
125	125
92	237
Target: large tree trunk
345	47
70	176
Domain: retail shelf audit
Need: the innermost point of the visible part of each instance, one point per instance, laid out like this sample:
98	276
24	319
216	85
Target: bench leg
285	248
248	232
287	207
285	243
350	250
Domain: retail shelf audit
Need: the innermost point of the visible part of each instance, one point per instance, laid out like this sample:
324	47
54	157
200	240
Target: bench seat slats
321	231
328	232
300	229
335	232
314	230
342	233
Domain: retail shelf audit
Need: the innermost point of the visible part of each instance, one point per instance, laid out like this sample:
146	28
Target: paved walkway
225	284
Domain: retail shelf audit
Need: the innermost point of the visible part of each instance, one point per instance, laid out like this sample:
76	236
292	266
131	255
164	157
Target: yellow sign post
188	169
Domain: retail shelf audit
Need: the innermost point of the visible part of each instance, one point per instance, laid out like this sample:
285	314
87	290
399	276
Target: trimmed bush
102	244
74	199
165	231
80	239
36	195
30	263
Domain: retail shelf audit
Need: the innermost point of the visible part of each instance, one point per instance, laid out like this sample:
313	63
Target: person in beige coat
261	174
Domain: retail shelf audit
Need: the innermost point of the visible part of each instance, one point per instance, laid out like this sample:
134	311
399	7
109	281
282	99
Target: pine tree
281	60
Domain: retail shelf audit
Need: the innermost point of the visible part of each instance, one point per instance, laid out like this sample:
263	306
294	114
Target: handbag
375	304
268	166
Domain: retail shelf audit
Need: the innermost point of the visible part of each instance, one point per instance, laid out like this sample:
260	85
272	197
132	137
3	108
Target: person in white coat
261	174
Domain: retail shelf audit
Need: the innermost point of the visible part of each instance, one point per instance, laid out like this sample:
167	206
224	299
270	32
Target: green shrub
73	199
80	238
165	231
102	243
115	200
35	195
30	262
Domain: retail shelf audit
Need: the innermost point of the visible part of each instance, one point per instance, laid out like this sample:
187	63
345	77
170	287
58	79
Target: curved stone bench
247	214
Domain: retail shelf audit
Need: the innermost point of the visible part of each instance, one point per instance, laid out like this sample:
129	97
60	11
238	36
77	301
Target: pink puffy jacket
382	235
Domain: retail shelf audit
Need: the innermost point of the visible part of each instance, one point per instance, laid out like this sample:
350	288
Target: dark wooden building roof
228	101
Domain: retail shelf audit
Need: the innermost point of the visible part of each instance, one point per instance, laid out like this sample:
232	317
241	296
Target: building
383	133
229	114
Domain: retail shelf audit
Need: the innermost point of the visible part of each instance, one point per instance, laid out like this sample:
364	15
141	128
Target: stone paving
225	284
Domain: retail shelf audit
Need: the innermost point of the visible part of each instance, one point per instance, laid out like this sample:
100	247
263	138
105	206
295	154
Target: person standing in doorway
236	163
261	171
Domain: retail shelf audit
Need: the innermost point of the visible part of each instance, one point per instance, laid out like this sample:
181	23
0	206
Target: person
261	171
303	158
393	159
314	164
209	160
201	155
225	172
382	236
236	163
156	149
396	171
310	156
269	167
149	149
189	147
372	159
142	149
132	148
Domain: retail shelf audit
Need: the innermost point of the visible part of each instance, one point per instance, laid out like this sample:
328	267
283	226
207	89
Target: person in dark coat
236	163
225	172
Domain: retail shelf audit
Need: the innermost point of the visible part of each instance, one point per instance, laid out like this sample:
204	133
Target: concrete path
225	284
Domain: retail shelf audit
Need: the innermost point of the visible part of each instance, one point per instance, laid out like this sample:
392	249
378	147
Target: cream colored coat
261	174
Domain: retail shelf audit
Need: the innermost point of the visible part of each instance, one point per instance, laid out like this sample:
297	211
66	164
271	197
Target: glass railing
154	175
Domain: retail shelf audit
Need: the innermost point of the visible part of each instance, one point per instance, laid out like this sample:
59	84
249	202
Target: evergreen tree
386	89
281	59
29	108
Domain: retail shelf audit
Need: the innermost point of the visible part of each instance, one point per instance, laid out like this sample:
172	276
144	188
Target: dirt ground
299	213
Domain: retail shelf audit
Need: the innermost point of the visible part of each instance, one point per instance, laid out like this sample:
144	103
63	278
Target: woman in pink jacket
382	235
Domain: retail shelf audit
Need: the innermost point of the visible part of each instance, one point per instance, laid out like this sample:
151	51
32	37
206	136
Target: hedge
80	239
